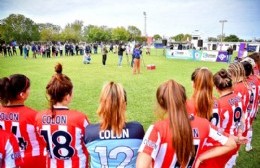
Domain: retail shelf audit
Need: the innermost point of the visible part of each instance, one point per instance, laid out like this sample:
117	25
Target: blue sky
164	17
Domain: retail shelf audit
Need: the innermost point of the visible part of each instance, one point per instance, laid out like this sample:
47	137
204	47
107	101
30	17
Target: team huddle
200	131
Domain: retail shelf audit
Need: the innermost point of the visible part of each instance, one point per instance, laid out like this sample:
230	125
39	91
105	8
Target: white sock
249	137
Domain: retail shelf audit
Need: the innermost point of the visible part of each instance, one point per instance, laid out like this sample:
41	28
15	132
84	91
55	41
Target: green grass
89	79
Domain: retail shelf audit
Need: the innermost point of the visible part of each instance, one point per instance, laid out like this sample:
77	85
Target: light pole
223	22
145	34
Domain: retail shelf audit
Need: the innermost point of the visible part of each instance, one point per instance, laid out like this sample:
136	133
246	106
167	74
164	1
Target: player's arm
143	160
228	144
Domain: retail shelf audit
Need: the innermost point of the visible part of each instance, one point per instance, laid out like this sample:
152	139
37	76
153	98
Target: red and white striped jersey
10	155
63	137
256	70
254	90
20	121
242	90
230	113
158	143
214	116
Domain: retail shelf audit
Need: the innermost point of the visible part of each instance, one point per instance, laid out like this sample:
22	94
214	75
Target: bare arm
217	151
143	160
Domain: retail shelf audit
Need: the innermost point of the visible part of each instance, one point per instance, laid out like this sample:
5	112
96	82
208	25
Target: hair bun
223	73
58	68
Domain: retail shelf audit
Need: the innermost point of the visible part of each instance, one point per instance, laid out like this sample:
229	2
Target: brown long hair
256	57
58	87
112	107
171	98
203	92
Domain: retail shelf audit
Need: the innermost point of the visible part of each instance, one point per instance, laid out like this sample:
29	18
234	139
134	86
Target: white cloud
164	17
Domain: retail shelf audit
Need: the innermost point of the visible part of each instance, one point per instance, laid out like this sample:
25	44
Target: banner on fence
179	54
198	55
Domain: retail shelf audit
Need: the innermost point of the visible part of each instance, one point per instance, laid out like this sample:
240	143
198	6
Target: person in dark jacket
229	54
121	50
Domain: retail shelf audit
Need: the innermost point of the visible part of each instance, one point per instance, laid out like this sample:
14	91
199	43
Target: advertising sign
222	56
209	56
179	54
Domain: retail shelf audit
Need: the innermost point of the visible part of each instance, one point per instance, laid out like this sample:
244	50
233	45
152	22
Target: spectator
9	50
25	52
14	50
121	50
136	57
229	54
21	49
104	55
34	50
86	58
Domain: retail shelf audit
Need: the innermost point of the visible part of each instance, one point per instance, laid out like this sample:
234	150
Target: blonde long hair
112	107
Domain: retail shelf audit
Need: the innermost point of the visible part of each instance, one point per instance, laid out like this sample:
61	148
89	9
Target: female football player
62	128
176	139
20	119
113	142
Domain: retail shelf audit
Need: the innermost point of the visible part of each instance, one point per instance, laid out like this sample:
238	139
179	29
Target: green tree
157	37
187	37
97	34
120	34
134	32
49	32
18	27
231	38
55	28
179	37
212	39
73	32
141	39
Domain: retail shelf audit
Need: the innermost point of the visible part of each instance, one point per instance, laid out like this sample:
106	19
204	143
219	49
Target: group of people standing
200	131
136	56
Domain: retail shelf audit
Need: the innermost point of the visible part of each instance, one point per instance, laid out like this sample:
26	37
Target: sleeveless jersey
109	150
63	137
10	155
158	144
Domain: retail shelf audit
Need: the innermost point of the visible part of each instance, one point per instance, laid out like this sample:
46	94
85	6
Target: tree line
17	27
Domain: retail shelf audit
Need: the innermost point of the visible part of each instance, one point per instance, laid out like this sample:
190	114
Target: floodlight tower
145	34
223	22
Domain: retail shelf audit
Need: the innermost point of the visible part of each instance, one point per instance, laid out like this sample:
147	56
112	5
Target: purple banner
222	56
241	49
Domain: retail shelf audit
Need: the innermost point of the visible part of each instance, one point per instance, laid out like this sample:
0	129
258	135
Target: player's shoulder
134	125
136	129
199	122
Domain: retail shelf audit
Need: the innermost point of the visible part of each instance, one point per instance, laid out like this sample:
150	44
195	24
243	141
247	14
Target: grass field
89	79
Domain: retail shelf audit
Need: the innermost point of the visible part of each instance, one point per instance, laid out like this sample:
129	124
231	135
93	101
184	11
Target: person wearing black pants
21	49
104	55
